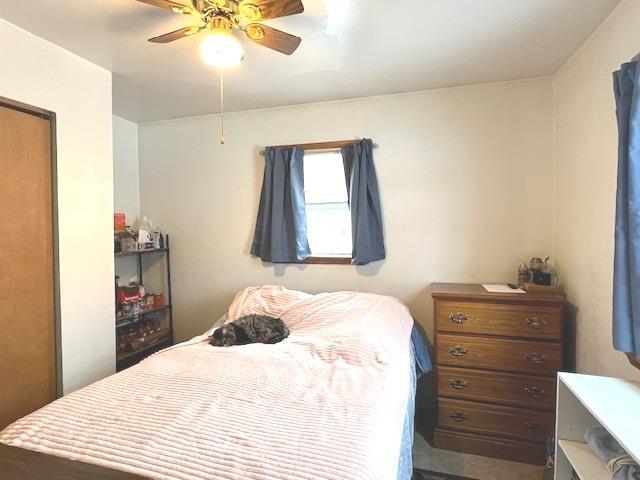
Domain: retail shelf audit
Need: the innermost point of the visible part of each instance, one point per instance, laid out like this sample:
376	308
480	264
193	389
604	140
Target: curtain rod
321	145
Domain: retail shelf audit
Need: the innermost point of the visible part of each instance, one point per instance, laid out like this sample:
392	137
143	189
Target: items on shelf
132	300
618	461
144	319
158	239
119	221
145	240
126	240
133	338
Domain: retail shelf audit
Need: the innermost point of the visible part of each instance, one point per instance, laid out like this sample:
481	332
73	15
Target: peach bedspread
327	403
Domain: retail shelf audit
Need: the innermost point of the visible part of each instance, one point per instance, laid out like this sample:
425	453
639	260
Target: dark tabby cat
250	329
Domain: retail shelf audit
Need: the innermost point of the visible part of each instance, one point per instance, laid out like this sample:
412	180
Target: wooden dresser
497	356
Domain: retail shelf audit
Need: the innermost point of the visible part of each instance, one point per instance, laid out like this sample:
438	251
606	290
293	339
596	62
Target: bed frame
21	464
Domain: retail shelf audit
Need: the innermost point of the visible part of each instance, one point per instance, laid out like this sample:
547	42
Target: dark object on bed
429	475
250	329
20	464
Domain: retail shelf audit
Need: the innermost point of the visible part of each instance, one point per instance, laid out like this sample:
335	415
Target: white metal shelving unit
586	401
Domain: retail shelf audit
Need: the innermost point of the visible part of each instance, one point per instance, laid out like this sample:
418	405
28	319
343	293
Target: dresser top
475	291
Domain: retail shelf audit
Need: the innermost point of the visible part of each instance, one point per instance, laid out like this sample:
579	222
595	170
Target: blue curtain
281	227
364	202
626	281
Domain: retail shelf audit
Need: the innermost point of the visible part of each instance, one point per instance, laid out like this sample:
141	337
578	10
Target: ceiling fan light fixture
181	10
255	31
220	49
249	11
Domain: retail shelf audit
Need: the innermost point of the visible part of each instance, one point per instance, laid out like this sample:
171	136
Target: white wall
39	73
586	157
126	187
126	181
463	172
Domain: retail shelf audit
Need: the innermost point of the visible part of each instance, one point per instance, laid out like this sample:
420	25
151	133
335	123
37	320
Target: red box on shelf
119	221
128	294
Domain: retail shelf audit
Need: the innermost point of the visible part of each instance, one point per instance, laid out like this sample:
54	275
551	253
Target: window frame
327	261
317	148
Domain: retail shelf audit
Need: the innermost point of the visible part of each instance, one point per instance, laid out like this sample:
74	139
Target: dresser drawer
495	387
530	425
537	358
499	319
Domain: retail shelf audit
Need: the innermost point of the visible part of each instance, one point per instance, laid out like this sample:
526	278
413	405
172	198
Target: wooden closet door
27	325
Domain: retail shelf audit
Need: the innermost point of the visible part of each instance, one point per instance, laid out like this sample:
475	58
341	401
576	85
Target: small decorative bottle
524	275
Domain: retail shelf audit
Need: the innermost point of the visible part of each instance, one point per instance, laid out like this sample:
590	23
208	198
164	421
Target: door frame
51	118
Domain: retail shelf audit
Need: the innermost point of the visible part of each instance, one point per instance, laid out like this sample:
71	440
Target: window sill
327	261
633	360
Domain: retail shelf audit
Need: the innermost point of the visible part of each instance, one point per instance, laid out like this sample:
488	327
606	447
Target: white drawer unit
586	401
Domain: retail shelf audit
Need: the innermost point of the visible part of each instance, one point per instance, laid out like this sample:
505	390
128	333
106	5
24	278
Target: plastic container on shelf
128	240
145	239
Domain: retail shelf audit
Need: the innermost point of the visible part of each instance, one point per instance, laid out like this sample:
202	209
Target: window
327	207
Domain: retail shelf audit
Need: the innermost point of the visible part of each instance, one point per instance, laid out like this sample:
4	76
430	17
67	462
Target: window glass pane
329	229
327	205
324	180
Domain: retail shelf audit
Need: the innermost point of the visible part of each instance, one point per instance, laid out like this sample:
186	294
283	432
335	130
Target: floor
473	466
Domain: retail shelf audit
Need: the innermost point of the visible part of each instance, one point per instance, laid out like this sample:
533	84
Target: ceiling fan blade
271	38
266	9
177	35
168	4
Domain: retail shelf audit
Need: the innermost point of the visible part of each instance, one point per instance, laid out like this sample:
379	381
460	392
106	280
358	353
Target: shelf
140	252
121	357
160	339
584	461
124	320
613	403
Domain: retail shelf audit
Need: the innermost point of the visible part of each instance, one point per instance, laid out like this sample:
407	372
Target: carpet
428	475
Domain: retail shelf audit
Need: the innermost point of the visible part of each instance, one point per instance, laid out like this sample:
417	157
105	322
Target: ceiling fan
220	48
221	17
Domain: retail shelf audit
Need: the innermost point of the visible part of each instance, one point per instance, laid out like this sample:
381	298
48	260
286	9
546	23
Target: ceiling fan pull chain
222	107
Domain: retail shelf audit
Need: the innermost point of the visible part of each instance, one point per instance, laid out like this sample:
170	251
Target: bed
335	400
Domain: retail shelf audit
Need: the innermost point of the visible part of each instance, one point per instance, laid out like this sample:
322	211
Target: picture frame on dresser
497	357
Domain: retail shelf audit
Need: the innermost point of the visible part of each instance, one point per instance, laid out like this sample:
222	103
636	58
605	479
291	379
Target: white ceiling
350	48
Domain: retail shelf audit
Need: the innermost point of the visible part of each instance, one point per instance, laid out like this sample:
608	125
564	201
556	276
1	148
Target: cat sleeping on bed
250	329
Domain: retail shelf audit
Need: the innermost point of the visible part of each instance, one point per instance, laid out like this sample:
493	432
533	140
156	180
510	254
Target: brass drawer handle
536	322
536	358
458	317
535	392
458	351
459	417
534	426
458	384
